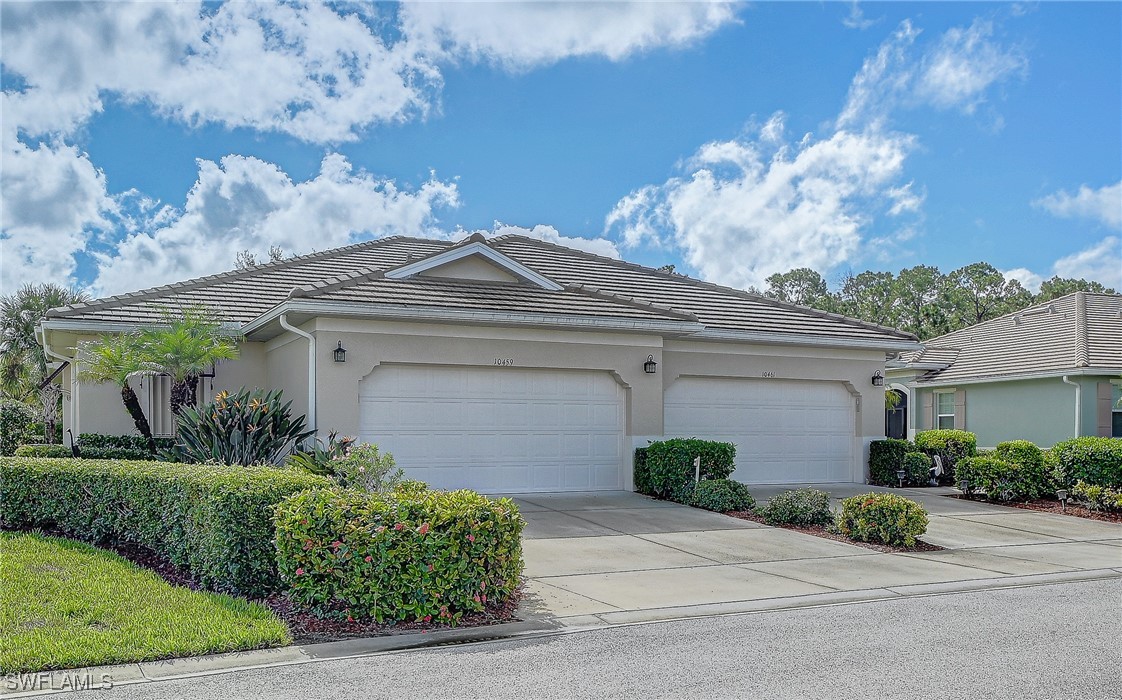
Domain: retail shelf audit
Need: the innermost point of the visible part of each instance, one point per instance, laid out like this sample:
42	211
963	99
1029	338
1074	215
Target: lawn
64	604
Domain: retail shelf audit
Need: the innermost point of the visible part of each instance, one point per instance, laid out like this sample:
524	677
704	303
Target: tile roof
1082	330
593	286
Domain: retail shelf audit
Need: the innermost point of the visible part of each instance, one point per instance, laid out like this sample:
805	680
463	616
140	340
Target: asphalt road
1056	641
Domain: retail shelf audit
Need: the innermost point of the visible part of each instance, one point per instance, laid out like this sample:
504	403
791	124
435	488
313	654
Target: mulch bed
1048	505
823	532
304	627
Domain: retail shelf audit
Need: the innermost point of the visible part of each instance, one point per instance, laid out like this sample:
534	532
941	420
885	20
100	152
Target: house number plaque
504	361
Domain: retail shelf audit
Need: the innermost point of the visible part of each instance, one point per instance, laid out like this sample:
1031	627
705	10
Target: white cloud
1028	279
1101	262
749	208
856	18
245	203
522	35
598	246
1103	204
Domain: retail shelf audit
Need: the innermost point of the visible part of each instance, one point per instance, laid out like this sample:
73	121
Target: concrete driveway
615	557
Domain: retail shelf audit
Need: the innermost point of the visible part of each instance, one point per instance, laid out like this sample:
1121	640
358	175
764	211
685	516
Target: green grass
64	604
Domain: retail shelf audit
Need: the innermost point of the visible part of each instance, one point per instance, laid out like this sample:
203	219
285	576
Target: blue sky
148	143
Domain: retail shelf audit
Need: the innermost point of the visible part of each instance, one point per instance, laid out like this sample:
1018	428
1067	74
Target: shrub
1095	497
885	457
1000	480
16	419
642	474
1030	458
248	427
722	495
317	457
405	555
214	520
882	517
39	450
366	469
130	443
950	446
1094	460
801	507
670	468
917	469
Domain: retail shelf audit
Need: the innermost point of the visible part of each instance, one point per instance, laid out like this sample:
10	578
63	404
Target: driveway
595	558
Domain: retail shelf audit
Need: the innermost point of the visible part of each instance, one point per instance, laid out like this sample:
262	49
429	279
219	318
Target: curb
52	682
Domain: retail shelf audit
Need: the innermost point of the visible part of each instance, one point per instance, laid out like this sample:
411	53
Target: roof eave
763	338
1046	374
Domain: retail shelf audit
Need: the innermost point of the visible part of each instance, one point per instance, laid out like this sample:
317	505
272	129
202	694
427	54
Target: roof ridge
195	282
598	293
739	292
1082	351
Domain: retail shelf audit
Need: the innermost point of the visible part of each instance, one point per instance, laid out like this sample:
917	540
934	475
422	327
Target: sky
149	143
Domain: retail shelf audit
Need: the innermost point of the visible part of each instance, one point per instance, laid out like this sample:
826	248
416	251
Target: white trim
509	264
1078	403
1083	372
412	313
283	319
935	415
804	339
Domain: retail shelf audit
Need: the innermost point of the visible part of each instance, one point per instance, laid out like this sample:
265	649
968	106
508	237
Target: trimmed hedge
216	521
798	507
950	446
1093	460
642	474
669	464
999	479
882	517
885	457
134	447
412	554
40	450
1035	478
917	469
722	496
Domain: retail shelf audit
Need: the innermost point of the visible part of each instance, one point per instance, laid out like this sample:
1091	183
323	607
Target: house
514	365
1047	373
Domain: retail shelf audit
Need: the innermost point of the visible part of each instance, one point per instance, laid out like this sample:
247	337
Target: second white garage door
497	430
784	431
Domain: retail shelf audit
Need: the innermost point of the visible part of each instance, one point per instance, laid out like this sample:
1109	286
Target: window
944	410
1116	411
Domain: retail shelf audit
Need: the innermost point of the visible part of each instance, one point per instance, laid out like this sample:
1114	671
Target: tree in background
919	292
801	286
24	364
979	292
1060	286
869	296
188	343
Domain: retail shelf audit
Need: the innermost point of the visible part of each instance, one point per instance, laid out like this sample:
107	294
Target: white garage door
784	431
497	430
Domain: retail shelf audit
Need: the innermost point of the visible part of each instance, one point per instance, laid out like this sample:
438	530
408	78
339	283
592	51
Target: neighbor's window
944	410
1116	415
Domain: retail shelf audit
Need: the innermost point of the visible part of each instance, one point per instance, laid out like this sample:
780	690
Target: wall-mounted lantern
878	378
650	365
339	354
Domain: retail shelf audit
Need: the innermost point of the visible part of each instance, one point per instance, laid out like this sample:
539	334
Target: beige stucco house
514	365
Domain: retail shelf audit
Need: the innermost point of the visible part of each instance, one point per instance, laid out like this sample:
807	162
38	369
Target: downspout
311	367
1078	403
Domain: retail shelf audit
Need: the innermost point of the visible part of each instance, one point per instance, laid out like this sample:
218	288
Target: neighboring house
1046	373
514	365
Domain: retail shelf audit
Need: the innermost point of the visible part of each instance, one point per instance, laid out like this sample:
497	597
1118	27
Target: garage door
784	431
497	430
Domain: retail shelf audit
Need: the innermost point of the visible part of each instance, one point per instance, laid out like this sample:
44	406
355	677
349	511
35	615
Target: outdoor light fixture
900	476
339	354
878	378
1062	495
964	486
650	364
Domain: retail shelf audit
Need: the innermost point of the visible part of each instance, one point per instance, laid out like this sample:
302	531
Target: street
1049	641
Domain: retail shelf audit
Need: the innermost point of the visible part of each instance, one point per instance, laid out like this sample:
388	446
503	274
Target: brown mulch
304	627
823	532
1048	505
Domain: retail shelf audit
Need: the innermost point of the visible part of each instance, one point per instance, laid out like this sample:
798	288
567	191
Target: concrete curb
47	683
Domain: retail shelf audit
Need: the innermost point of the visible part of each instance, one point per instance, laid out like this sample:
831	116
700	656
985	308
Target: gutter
1084	372
1078	403
807	340
283	318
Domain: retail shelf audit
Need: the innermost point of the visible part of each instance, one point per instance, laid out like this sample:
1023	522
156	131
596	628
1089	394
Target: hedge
99	446
1093	460
1035	478
949	445
642	474
16	419
722	496
216	521
885	457
41	450
1001	480
882	517
412	554
669	464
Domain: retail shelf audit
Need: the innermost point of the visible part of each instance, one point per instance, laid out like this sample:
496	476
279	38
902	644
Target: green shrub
1094	460
214	520
1030	458
641	473
801	507
121	446
1095	497
999	479
722	496
317	456
885	457
917	469
670	463
40	450
16	419
882	517
404	555
950	446
366	469
247	427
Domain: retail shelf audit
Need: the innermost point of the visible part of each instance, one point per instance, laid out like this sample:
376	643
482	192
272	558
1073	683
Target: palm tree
115	359
189	342
23	366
